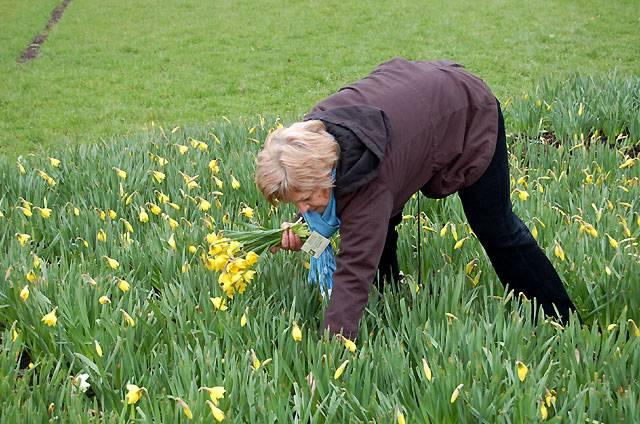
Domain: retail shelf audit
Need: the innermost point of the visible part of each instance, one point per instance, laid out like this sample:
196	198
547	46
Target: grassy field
112	68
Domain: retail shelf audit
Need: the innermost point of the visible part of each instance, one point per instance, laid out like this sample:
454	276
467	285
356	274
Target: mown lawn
110	68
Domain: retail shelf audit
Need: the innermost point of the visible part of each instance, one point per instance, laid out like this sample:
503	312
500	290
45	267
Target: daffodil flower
120	173
456	393
213	166
24	293
296	333
235	184
143	216
215	393
247	212
522	370
127	318
51	319
340	370
23	238
158	176
219	303
113	264
217	412
427	369
134	394
123	285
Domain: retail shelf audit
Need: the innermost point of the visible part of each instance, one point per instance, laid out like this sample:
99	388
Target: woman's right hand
289	241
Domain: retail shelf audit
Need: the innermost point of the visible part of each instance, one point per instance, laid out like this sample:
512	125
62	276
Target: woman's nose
302	207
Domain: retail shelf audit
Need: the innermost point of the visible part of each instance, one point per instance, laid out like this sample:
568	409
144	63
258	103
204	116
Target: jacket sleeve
363	233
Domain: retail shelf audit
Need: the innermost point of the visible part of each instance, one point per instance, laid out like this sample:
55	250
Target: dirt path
33	50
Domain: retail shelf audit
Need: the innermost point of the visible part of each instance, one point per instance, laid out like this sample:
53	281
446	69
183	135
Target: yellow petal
456	393
98	348
24	293
296	333
340	370
522	370
217	412
427	369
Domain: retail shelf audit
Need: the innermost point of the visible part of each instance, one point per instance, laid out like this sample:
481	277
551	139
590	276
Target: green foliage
471	334
581	110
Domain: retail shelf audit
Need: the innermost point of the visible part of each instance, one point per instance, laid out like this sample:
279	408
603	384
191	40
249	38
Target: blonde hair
298	158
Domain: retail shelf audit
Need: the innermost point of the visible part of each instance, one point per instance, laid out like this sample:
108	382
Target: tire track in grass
33	50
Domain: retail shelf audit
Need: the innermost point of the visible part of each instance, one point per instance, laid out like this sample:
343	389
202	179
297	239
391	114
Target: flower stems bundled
258	239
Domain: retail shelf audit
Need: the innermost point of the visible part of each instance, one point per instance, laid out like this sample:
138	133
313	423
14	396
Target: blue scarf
321	270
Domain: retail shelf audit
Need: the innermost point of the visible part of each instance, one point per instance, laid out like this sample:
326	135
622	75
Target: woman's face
316	200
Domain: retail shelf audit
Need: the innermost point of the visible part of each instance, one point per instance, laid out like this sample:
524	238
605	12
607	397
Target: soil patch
33	50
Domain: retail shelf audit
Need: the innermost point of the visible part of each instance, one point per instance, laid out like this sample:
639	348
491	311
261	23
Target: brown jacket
427	126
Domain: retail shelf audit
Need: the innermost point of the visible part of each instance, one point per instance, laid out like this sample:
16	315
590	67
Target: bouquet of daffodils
235	253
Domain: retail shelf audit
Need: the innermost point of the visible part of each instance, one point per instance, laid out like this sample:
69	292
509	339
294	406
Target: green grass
180	342
112	68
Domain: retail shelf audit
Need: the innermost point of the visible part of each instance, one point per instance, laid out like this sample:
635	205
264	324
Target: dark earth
33	50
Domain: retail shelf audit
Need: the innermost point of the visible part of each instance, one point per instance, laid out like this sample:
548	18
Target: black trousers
518	260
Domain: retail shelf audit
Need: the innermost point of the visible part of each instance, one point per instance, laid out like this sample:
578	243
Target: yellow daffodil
31	276
25	211
134	394
162	198
612	242
44	212
182	148
204	205
158	176
102	236
235	184
173	224
296	333
400	417
123	285
51	319
127	225
559	252
185	408
219	303
192	249
98	348
21	169
459	243
217	412
104	300
113	264
172	242
243	320
14	335
120	173
127	318
634	328
628	163
112	214
543	411
427	369
143	216
155	209
247	212
443	231
348	344
340	370
24	293
23	238
522	370
456	393
550	397
54	162
215	393
219	182
252	258
213	166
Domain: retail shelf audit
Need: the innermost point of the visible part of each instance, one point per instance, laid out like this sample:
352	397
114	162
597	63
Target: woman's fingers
290	241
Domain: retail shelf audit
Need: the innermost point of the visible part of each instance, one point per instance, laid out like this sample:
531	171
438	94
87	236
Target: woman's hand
290	241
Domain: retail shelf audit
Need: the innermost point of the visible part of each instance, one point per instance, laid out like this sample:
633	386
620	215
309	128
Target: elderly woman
360	154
